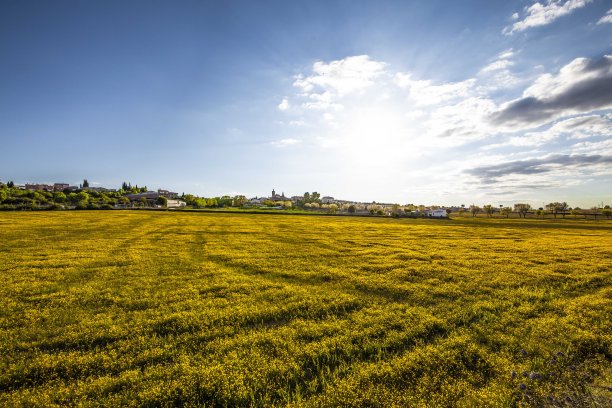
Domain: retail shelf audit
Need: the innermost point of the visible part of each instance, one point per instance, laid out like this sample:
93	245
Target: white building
440	213
170	203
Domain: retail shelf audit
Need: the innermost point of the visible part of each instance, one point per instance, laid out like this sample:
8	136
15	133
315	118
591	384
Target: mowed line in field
293	309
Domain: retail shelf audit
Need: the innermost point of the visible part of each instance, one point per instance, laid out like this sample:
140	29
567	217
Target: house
60	186
440	213
167	194
99	189
35	187
171	203
327	200
150	196
256	201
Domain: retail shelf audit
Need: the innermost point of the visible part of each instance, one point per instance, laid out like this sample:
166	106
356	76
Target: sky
437	102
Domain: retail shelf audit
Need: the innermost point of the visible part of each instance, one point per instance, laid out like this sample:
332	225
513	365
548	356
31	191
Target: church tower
273	193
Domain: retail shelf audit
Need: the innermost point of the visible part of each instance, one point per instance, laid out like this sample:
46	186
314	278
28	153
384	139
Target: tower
273	193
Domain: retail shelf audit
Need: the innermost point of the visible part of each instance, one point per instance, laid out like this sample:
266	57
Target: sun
373	136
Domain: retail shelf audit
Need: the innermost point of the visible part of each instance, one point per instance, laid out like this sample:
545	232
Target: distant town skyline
435	102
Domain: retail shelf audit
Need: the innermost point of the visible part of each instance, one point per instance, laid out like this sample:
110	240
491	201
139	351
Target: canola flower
136	308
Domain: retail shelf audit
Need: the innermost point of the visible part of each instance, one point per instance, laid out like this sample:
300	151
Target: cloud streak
543	14
580	127
490	174
581	86
607	18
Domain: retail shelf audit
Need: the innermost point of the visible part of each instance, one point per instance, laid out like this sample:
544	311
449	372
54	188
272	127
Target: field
162	309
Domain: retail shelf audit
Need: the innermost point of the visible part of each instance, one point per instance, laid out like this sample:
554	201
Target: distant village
63	196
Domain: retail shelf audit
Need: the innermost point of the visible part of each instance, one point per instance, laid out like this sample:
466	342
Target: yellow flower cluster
129	308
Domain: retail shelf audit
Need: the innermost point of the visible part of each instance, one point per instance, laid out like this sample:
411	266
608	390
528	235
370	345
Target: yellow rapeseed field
141	308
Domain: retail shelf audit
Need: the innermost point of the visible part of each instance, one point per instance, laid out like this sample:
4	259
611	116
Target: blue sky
432	102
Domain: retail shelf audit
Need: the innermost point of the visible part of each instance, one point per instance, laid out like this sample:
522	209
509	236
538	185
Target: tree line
83	198
554	208
13	198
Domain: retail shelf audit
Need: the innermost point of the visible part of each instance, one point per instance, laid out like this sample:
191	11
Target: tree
522	209
85	183
162	201
105	198
607	212
351	209
82	196
488	209
315	197
575	212
239	201
374	208
506	211
10	184
59	197
474	209
557	207
562	208
124	201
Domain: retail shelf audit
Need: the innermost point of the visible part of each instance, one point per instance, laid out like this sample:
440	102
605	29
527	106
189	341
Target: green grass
202	309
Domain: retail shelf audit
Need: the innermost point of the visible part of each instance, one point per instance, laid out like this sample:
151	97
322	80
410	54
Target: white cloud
425	92
602	147
584	126
540	171
286	142
497	65
583	85
284	105
461	122
542	14
324	100
575	128
341	77
548	86
607	18
497	75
